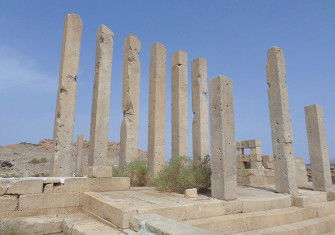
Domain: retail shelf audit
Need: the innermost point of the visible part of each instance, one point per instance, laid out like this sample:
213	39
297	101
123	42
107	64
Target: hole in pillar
247	165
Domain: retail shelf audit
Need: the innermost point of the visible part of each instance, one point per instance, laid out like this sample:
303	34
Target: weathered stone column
200	132
318	148
281	129
79	156
101	105
66	97
157	110
223	147
130	100
179	104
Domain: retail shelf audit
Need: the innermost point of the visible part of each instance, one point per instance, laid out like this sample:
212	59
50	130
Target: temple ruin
251	193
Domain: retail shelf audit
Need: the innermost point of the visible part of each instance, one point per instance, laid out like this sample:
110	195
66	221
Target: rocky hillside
26	159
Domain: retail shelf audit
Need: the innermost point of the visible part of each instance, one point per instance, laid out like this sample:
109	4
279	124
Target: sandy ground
19	155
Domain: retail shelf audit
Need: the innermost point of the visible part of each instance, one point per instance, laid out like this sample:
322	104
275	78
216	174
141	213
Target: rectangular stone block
254	143
48	200
8	203
3	187
100	171
25	186
318	148
223	159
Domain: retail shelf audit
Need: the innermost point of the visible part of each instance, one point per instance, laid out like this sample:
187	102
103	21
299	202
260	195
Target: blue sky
232	35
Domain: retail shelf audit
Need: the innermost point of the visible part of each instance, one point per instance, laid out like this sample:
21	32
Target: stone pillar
157	110
101	105
66	97
281	129
179	104
200	132
130	100
223	147
79	156
318	148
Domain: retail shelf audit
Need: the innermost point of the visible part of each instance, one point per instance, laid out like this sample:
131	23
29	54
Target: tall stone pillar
179	137
223	146
318	148
101	105
66	97
281	129
157	110
79	156
200	132
130	100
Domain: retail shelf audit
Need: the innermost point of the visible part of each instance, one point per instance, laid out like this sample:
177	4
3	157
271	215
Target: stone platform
90	206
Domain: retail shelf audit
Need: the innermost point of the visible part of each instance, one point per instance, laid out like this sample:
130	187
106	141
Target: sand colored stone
101	105
66	97
157	110
130	100
179	104
318	148
79	156
200	131
223	147
281	129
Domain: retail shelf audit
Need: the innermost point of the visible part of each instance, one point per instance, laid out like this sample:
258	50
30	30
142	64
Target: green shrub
41	175
9	229
136	170
13	175
180	174
38	161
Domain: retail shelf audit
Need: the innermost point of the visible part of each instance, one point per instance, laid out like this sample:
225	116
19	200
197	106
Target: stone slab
8	203
25	186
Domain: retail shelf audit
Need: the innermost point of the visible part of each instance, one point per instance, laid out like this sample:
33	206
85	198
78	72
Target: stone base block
100	171
8	203
25	186
305	200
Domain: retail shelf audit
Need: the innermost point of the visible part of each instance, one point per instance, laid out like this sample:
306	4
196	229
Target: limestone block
3	187
256	165
269	165
98	152
66	97
48	200
179	105
256	150
110	184
245	144
307	200
318	148
280	119
200	130
8	203
223	161
48	188
255	157
331	195
157	110
130	100
302	179
100	171
191	193
254	143
25	186
261	204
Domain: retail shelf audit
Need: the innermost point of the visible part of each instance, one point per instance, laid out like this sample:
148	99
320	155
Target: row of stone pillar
66	101
223	149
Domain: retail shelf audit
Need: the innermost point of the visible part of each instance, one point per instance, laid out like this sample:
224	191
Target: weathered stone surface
281	129
8	203
191	193
48	200
25	186
301	172
101	102
223	147
318	148
79	162
66	98
179	104
130	100
200	132
48	188
3	188
157	110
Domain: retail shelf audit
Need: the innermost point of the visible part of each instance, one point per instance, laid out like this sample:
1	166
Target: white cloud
18	71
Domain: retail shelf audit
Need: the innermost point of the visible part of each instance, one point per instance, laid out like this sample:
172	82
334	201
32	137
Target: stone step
315	226
309	197
254	220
